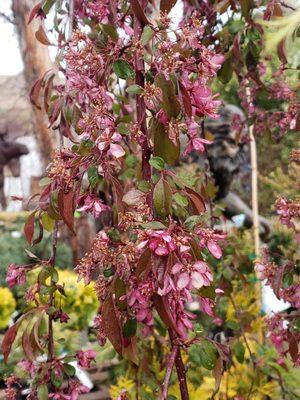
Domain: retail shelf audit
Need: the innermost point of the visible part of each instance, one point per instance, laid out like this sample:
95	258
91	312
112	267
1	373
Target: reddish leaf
163	309
29	228
65	128
293	348
35	93
297	127
26	345
217	373
130	351
281	52
186	100
41	231
55	111
139	12
47	91
41	36
35	11
167	5
118	192
35	334
66	208
111	324
144	264
277	280
8	340
196	200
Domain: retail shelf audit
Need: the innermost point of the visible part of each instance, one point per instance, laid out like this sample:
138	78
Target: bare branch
7	18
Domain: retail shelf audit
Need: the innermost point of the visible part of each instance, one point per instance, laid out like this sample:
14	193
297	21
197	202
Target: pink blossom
287	211
162	117
209	238
28	366
139	298
203	101
92	204
110	143
85	357
210	62
161	243
192	275
16	275
206	306
196	144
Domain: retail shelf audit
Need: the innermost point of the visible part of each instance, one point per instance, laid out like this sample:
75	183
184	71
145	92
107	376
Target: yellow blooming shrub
80	302
7	306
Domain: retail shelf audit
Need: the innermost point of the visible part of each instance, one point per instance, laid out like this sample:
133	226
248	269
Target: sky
11	63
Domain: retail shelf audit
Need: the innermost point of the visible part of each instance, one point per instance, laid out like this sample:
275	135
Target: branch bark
181	373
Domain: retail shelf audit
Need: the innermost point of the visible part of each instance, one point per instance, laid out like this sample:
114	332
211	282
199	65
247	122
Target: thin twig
7	18
51	353
242	330
170	365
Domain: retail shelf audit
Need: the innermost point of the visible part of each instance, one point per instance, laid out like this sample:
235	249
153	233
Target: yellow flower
7	306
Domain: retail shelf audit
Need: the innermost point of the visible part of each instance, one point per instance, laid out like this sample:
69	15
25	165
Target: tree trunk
36	62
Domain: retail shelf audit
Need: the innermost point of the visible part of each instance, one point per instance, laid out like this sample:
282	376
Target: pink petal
197	280
161	251
176	268
183	280
214	249
117	150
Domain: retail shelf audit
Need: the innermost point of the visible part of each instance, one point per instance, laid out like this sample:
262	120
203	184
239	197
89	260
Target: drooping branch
140	104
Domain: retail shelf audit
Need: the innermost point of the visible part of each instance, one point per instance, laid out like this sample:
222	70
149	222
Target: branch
170	365
7	18
181	373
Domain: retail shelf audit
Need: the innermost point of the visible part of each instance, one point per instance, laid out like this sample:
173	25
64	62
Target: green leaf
108	272
162	197
163	146
42	392
155	225
48	5
47	222
134	89
110	31
236	26
56	380
69	370
44	181
239	352
170	102
225	73
147	35
123	70
93	176
157	162
233	325
208	355
129	328
144	186
182	201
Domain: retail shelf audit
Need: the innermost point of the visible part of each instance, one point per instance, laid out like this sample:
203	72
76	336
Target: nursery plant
128	104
